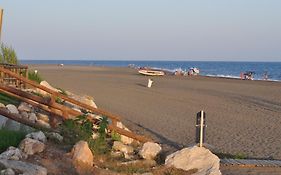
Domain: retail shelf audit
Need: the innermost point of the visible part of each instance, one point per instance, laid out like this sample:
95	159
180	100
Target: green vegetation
62	91
115	136
10	138
34	76
8	55
6	99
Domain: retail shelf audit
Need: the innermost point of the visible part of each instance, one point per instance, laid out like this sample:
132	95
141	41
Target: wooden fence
17	69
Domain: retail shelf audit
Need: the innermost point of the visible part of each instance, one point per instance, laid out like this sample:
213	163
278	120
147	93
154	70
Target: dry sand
242	116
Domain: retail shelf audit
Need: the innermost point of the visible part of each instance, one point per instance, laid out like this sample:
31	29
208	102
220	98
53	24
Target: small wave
223	76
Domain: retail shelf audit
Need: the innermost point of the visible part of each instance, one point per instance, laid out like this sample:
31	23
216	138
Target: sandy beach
242	116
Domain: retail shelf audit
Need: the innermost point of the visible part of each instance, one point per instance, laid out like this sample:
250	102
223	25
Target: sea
207	68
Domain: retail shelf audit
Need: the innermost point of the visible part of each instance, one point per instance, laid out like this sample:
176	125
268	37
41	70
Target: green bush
10	138
34	77
8	55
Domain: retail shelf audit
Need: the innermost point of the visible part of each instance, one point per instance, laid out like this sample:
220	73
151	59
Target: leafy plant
10	138
8	55
115	136
34	76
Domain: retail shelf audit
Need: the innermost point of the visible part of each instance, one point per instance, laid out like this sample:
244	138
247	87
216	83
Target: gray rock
30	146
55	136
24	167
13	153
40	136
119	146
24	115
12	109
24	107
8	171
150	150
32	117
195	158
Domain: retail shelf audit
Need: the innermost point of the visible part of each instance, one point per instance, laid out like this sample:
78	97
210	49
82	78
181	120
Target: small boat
151	72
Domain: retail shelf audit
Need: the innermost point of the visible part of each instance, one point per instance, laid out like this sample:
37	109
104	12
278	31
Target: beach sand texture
242	116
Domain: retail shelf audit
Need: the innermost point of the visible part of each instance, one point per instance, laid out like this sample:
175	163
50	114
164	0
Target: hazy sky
144	29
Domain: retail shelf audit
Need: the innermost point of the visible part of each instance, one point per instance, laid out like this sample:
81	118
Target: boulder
81	153
12	109
124	139
24	167
24	107
13	153
195	158
40	136
43	117
55	136
8	171
30	146
32	117
47	85
150	150
119	146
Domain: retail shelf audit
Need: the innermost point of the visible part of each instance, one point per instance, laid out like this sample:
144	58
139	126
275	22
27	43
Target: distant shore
242	116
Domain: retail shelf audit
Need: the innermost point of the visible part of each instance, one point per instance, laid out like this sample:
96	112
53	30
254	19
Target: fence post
200	128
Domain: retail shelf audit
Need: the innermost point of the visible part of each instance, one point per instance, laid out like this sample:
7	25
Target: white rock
24	115
32	117
43	117
30	146
13	153
150	150
47	85
24	107
24	167
124	139
8	171
81	153
12	108
40	136
119	146
195	157
43	124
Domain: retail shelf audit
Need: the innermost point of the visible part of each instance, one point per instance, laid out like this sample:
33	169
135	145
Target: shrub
6	99
10	138
34	76
8	55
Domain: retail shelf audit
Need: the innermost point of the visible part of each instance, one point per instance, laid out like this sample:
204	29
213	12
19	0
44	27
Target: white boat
151	72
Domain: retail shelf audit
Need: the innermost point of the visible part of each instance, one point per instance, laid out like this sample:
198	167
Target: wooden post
1	19
200	128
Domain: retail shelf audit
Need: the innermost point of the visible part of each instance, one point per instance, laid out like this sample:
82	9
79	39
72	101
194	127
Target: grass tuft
10	138
34	77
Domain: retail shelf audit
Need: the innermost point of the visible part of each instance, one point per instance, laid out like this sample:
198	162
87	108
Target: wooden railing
50	105
17	69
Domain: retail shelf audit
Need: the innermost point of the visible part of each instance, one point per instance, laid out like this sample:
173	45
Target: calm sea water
208	68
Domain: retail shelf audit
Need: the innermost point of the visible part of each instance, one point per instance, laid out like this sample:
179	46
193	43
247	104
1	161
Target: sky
198	30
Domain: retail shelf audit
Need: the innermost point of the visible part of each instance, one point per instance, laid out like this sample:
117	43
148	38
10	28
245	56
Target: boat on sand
151	72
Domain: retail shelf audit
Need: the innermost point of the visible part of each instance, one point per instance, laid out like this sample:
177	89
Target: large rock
32	117
8	171
150	150
24	107
13	153
81	153
195	158
2	105
124	139
119	146
12	109
30	146
24	167
40	136
47	85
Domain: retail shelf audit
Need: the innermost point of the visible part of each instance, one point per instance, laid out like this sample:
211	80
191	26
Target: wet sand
242	116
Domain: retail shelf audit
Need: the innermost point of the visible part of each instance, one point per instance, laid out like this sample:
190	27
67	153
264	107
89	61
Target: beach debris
150	150
23	167
13	153
12	109
195	158
149	84
8	171
31	146
81	154
40	136
119	146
